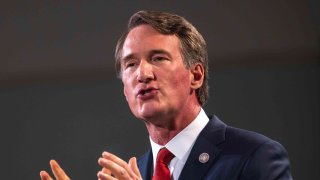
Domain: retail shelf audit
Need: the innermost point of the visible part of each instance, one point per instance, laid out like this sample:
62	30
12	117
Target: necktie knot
162	171
164	156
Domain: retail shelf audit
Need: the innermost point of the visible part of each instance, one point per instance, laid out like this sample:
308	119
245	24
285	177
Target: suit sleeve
269	161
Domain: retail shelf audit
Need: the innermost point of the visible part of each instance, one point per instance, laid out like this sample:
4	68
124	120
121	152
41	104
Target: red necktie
162	171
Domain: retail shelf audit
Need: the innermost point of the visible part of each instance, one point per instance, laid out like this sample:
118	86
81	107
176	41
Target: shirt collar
182	143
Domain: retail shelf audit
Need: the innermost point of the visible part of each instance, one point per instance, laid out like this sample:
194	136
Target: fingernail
105	153
102	161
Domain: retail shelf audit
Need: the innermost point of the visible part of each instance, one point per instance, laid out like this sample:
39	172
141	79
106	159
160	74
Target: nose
145	72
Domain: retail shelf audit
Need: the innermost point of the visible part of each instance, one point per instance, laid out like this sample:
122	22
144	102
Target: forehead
144	38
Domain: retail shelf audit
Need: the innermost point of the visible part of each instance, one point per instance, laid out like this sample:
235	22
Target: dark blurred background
59	96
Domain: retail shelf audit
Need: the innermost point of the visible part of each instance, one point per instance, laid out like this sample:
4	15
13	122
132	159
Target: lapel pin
204	157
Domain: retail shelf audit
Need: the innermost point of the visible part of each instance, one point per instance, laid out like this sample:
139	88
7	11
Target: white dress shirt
181	144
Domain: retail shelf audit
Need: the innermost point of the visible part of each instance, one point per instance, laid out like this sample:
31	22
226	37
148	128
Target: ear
197	76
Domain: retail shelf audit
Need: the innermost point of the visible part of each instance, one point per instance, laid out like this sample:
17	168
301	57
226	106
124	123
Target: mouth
147	93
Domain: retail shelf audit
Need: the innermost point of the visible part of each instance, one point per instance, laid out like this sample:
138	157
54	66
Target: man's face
156	81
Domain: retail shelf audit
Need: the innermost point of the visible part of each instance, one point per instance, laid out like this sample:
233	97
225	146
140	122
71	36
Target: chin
148	114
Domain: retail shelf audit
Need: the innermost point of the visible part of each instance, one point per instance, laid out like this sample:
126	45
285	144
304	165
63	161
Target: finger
58	171
119	162
106	171
45	176
117	170
115	159
134	166
103	176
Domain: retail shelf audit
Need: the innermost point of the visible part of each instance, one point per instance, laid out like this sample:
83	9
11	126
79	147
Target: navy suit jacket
233	154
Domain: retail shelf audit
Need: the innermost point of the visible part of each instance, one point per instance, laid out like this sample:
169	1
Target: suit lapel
145	165
206	149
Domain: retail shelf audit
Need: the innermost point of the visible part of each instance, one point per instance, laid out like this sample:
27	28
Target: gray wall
59	97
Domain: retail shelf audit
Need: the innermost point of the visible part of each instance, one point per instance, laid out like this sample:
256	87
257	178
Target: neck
163	131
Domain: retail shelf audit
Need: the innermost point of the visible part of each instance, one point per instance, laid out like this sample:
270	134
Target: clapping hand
58	172
115	168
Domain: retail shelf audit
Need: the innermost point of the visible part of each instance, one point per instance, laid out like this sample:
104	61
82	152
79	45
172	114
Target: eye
129	64
159	58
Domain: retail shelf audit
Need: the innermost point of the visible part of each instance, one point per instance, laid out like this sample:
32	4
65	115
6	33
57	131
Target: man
163	64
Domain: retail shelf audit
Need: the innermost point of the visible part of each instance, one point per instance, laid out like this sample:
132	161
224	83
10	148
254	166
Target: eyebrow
151	53
127	57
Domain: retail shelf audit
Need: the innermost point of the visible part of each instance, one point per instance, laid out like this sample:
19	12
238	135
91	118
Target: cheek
126	89
182	80
177	86
125	92
129	94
